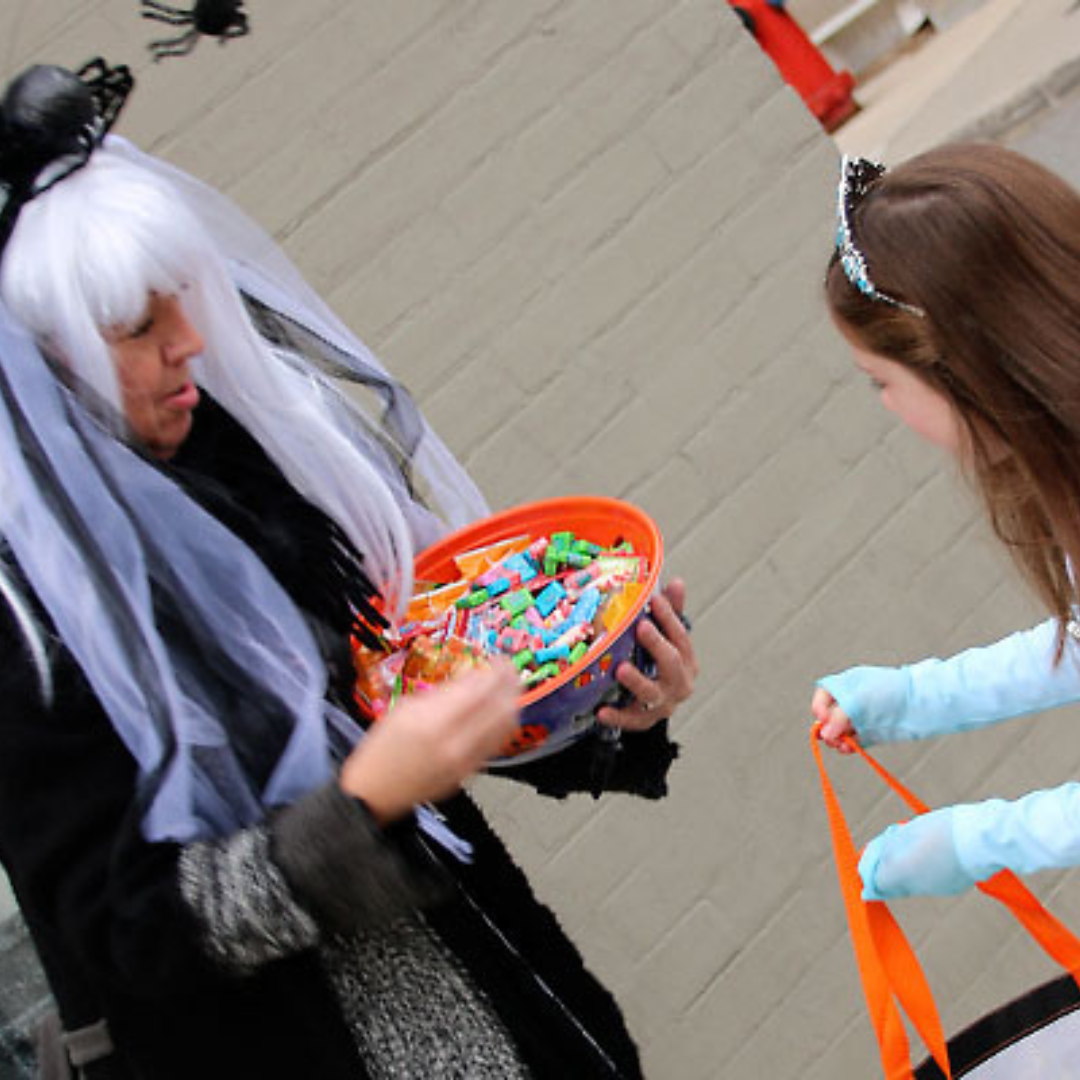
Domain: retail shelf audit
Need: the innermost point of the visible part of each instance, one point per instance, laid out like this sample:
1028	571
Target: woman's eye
143	328
877	385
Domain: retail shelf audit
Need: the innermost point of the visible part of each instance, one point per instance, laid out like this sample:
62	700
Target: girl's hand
430	743
835	725
666	638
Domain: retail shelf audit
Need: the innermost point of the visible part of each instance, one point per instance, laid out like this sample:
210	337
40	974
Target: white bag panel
1051	1053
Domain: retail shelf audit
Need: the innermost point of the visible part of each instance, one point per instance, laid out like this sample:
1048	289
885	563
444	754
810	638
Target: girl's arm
947	851
979	686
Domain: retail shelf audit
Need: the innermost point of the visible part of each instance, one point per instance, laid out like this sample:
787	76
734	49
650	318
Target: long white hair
100	534
85	256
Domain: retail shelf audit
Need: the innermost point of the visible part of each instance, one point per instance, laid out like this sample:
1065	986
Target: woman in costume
222	874
956	282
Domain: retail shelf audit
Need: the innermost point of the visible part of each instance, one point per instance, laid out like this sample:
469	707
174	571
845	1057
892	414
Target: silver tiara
857	175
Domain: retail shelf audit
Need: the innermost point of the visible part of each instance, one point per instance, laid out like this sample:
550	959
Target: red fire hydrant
827	93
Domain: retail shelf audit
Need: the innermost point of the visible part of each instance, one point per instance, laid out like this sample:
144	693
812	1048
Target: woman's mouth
183	399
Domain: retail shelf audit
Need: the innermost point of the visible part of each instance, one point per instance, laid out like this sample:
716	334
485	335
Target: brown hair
987	244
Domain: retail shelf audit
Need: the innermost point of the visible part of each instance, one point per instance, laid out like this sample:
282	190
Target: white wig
96	528
84	257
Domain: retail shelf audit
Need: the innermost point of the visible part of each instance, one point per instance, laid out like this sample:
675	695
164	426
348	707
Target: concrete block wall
590	234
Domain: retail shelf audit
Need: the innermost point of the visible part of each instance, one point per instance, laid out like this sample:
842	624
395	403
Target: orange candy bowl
560	710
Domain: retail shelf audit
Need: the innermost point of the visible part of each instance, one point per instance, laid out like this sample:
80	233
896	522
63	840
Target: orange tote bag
1035	1036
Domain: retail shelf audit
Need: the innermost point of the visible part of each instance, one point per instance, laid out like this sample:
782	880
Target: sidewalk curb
1000	123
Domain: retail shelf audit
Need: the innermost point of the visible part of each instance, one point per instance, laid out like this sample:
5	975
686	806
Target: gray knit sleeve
346	870
245	911
321	865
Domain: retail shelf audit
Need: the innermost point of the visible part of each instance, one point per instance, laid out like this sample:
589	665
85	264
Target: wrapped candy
541	601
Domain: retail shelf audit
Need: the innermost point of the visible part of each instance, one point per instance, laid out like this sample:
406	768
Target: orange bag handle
890	972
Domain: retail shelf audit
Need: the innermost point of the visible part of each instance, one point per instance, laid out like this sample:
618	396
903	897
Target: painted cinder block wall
589	235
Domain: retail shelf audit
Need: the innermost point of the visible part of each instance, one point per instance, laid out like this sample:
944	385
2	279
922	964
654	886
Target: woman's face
915	402
152	366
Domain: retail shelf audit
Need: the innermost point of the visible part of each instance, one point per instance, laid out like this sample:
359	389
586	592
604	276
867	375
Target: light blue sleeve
980	686
917	858
947	851
1041	831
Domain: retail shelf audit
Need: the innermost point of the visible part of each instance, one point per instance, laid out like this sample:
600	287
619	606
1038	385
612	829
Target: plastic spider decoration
216	18
51	121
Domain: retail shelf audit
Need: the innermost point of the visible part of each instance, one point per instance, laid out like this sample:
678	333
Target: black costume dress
306	946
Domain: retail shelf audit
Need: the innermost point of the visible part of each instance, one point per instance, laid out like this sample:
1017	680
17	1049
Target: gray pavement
994	72
1008	72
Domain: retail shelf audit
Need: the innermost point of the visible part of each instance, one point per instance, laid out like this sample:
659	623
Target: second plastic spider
216	18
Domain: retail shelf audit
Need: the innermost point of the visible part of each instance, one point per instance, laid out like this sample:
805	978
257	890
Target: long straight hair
223	706
986	243
86	255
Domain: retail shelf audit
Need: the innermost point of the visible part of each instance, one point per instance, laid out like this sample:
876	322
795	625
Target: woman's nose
184	340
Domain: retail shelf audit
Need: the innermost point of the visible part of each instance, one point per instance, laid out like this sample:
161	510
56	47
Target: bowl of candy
556	586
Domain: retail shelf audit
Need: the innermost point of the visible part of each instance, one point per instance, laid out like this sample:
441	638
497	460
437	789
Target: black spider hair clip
216	18
51	121
109	87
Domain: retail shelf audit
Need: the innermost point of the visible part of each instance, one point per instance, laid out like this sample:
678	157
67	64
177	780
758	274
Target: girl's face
152	366
922	408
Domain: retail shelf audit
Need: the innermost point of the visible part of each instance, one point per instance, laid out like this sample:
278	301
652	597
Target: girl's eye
877	385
